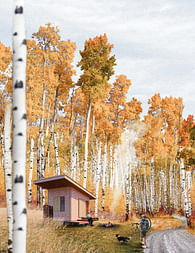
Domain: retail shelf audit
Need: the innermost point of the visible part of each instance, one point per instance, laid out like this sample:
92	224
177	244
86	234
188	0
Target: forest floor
48	236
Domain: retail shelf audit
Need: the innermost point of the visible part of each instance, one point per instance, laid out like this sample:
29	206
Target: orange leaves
97	66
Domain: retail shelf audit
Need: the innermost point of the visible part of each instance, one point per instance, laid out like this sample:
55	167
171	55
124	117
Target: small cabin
67	200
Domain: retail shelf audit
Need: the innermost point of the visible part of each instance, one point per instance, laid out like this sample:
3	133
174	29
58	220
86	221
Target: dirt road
176	240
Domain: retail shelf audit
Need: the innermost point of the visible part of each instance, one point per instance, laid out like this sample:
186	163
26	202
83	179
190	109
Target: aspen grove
90	130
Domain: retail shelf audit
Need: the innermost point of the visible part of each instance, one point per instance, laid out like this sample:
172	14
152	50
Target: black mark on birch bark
19	10
15	34
18	179
24	42
20	229
15	108
20	59
24	116
24	211
18	84
20	134
15	203
9	242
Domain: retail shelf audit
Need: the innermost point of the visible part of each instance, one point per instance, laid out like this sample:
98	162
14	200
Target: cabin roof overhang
62	181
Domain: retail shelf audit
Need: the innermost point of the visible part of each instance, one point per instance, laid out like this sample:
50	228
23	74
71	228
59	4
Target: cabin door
83	208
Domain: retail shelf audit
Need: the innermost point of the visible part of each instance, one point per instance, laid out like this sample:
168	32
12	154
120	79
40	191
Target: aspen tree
19	128
104	176
98	68
8	173
30	172
99	148
56	154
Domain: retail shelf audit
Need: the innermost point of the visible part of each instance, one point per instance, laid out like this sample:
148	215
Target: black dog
122	238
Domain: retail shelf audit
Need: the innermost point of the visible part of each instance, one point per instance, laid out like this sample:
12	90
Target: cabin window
59	204
62	204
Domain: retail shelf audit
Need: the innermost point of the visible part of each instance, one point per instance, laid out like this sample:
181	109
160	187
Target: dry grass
165	222
48	236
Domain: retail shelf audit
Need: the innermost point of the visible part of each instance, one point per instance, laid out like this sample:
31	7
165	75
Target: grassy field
46	236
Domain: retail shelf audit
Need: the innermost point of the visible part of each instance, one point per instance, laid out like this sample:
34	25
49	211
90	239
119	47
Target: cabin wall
57	192
72	198
75	197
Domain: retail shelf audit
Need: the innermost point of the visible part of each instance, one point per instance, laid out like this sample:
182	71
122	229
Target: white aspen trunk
186	207
52	129
72	157
81	128
182	182
74	162
30	172
189	183
115	169
38	175
78	163
160	190
47	129
86	146
2	146
152	185
56	155
93	123
104	177
19	129
127	194
111	167
130	189
175	190
8	173
135	194
165	189
171	185
98	178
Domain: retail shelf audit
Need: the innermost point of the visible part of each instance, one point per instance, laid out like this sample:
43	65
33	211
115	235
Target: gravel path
176	240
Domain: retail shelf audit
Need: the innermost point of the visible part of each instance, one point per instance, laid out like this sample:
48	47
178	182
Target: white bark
189	183
86	145
152	185
19	129
171	186
104	177
111	167
30	172
175	197
98	178
130	190
78	163
52	128
47	129
38	174
8	173
72	157
56	155
165	190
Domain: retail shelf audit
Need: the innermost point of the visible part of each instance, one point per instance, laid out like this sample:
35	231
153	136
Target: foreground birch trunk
19	128
8	172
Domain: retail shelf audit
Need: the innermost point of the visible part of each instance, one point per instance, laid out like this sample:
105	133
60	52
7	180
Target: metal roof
62	181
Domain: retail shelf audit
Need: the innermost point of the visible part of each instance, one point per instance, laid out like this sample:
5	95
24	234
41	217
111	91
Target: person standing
145	224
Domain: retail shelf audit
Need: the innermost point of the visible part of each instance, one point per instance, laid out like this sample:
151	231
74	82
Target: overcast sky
154	40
